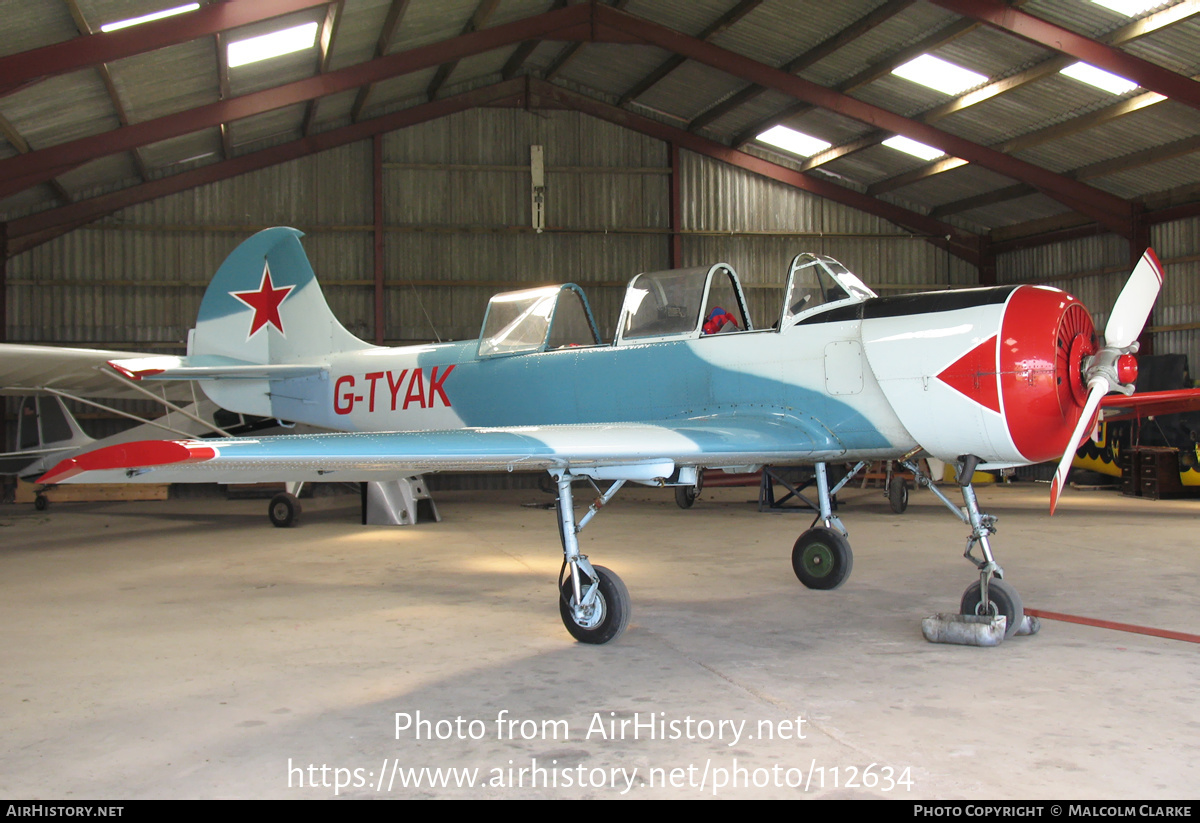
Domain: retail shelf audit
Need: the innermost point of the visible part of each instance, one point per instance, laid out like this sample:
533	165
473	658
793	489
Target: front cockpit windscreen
817	280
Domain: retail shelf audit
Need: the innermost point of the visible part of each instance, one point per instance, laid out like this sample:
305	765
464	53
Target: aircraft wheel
1005	601
41	502
822	558
609	615
284	510
685	496
898	495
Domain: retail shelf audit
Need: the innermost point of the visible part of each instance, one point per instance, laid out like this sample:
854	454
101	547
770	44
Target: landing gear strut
821	557
991	595
593	601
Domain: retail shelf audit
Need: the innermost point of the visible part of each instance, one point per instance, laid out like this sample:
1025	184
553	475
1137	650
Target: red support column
377	187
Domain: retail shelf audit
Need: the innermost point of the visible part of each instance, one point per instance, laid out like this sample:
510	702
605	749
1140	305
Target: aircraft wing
26	370
1148	404
636	451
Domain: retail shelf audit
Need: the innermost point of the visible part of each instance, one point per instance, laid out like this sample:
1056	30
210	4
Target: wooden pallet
91	492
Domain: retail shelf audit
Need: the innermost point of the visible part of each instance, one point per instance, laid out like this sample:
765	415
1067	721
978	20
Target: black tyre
40	502
898	495
822	558
1005	601
610	612
284	510
685	496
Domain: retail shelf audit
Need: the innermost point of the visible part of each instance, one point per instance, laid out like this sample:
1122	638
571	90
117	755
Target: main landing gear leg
593	601
821	557
991	595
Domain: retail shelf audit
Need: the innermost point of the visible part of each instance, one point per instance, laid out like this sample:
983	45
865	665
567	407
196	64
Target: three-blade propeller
1128	318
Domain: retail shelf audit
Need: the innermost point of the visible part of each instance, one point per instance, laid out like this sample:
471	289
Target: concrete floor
188	649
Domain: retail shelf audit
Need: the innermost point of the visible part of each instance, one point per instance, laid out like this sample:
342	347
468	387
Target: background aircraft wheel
1004	599
40	502
610	612
898	495
685	496
822	558
284	510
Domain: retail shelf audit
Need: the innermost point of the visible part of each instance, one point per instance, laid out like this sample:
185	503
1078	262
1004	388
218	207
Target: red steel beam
961	244
27	232
24	171
19	70
1114	213
1036	30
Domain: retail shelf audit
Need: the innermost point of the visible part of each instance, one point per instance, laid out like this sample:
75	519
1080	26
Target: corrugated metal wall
1176	317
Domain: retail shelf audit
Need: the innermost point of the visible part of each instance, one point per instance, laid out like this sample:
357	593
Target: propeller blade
1099	388
1132	309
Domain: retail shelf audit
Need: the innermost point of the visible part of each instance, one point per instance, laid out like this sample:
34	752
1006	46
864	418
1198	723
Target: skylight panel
790	140
909	146
939	75
275	44
1129	8
1101	79
146	18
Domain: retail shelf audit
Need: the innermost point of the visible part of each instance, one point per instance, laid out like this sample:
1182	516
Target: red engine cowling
992	372
1045	335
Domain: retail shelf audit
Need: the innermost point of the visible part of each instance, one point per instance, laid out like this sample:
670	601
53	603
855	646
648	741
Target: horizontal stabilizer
225	368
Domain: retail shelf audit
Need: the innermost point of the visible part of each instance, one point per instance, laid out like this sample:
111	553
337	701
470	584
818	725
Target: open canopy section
683	303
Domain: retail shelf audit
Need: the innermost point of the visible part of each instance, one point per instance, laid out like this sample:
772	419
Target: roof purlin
19	173
28	67
1110	211
1148	75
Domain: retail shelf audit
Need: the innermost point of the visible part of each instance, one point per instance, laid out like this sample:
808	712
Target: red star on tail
265	301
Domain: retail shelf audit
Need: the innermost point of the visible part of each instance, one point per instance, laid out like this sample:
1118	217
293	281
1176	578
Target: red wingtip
142	454
131	374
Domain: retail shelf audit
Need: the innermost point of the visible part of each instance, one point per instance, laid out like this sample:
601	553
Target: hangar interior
435	152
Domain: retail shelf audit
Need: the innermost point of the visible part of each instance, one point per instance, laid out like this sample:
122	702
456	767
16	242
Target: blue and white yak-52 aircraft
981	377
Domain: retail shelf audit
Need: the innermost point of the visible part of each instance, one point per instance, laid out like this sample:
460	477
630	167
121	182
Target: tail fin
264	306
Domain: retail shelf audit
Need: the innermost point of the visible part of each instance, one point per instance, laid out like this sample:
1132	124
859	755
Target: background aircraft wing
631	450
1146	404
26	370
